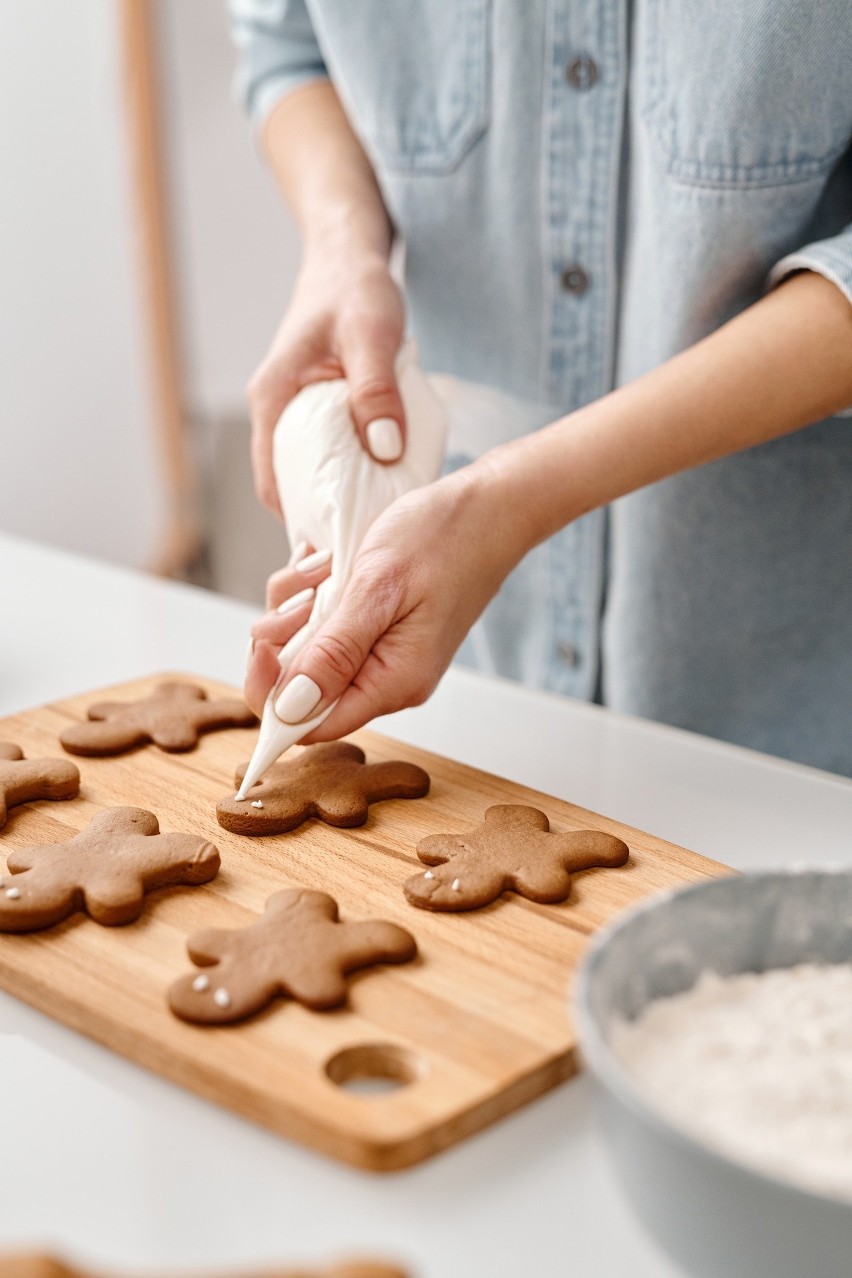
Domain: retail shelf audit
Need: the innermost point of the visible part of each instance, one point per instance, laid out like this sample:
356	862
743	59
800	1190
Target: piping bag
331	491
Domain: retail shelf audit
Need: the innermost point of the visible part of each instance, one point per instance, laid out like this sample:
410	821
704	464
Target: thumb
332	660
374	400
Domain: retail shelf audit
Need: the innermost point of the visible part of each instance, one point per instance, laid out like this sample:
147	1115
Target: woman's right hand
346	319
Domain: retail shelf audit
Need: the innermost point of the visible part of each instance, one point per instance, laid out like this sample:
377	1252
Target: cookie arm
179	858
593	849
375	941
394	780
102	737
225	713
209	946
435	849
43	779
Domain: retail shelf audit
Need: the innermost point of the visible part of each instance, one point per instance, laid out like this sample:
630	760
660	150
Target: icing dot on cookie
201	983
256	803
13	893
222	998
428	875
456	885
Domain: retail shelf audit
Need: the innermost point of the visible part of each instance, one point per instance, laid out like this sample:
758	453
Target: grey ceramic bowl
716	1218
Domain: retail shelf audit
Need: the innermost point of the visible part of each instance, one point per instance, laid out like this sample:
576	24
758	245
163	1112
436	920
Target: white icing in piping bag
331	490
273	739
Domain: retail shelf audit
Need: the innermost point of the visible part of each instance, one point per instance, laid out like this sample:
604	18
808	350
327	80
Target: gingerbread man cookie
330	781
513	850
172	717
104	871
22	780
298	947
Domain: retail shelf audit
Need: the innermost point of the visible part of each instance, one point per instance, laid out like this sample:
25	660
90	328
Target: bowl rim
596	1053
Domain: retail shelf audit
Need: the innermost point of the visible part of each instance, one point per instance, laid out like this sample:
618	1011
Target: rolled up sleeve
831	258
277	52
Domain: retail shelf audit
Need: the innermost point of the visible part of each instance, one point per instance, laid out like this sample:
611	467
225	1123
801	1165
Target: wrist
347	234
526	489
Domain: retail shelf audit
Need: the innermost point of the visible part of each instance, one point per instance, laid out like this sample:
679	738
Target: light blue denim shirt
584	188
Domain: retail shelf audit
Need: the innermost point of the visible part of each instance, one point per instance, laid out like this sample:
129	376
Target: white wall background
236	245
76	450
76	431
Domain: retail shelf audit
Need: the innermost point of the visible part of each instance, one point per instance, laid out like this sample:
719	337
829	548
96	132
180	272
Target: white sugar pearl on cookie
456	885
201	983
222	998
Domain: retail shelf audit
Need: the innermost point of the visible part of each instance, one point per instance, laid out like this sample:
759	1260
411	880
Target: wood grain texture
479	1022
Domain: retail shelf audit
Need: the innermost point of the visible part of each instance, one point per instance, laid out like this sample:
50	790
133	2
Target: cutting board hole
375	1069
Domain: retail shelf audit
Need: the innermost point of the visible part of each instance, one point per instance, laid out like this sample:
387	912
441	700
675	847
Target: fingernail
297	553
250	649
296	601
298	699
314	561
385	439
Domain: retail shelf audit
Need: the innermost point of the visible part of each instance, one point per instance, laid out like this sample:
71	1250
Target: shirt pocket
413	75
746	93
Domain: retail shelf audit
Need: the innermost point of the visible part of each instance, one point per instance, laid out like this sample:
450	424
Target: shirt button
582	72
575	280
569	655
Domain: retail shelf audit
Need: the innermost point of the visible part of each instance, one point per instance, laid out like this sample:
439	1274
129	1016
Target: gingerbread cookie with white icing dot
299	947
332	782
25	780
104	871
513	850
172	717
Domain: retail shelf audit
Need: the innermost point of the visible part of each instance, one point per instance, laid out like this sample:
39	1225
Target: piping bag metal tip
273	739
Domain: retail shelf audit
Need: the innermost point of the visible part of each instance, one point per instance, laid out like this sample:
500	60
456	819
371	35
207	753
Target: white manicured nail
298	552
296	601
385	439
250	649
317	560
298	699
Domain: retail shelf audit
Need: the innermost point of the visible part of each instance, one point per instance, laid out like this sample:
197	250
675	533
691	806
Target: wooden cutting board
475	1027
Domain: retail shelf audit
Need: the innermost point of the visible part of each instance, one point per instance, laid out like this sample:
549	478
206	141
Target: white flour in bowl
759	1066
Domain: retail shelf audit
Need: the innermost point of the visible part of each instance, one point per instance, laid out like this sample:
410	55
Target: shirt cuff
267	95
829	258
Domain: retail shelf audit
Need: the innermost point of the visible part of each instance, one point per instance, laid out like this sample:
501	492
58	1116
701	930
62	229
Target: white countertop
114	1166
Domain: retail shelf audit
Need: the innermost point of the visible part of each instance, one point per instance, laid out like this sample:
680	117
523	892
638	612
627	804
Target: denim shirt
584	188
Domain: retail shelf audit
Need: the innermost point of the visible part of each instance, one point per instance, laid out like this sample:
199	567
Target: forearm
325	175
780	365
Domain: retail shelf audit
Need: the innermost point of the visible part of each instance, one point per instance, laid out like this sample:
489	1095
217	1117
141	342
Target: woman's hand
424	573
346	319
